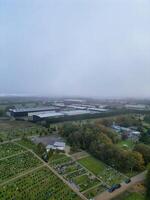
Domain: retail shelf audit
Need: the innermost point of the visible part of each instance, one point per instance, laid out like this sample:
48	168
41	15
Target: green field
85	182
92	164
28	144
39	185
8	149
13	166
126	144
95	191
107	174
17	129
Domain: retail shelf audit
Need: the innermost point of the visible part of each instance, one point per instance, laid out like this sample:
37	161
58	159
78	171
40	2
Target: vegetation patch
106	173
13	166
41	184
8	149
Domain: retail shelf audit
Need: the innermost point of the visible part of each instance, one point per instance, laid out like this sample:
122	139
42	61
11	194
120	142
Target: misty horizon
79	48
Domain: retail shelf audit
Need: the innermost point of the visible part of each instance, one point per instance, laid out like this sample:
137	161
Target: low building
56	146
130	133
134	135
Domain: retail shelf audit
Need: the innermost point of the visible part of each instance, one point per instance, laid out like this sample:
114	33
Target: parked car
111	189
117	186
127	181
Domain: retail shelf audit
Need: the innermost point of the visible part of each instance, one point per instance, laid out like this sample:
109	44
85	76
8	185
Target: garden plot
78	176
86	181
13	166
76	173
68	167
9	149
60	160
106	173
41	184
94	191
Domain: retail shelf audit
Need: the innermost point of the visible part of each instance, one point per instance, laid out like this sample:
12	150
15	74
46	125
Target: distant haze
97	48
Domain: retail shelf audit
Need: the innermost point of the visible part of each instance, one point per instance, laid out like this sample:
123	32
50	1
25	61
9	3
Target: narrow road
136	179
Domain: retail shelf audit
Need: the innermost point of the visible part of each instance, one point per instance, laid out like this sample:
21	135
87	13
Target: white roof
59	144
136	132
99	109
76	112
50	147
49	114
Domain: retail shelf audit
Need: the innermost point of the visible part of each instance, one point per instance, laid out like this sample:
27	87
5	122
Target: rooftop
32	109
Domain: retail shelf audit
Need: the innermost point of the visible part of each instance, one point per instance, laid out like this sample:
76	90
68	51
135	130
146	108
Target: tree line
100	142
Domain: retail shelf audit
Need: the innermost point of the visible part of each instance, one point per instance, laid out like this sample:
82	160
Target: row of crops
24	177
13	166
9	149
39	185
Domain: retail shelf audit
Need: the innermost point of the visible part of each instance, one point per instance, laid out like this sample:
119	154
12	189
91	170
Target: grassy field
94	191
107	174
92	164
16	129
5	125
126	144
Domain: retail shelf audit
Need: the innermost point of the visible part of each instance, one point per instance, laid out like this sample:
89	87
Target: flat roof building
56	146
22	112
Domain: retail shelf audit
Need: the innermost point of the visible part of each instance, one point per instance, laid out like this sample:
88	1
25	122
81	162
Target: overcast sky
96	48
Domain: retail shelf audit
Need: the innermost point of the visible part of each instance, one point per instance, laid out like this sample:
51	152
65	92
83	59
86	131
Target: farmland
9	149
23	176
41	184
77	175
15	165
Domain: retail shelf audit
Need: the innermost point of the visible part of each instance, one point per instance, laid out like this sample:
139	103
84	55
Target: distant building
128	131
134	135
60	115
136	106
23	112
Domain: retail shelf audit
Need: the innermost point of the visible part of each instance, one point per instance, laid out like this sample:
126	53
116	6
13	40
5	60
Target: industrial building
136	107
61	114
24	112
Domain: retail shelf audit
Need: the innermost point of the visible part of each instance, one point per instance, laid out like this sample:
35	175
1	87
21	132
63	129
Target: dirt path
107	196
79	155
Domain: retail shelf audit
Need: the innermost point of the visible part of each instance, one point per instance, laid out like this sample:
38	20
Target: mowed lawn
92	164
126	144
